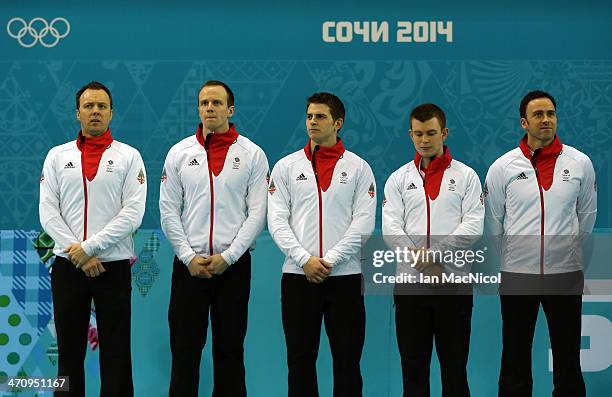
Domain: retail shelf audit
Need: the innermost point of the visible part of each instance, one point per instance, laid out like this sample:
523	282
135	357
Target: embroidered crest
141	177
371	190
343	178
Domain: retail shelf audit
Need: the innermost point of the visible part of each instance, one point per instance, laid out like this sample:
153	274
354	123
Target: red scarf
92	150
434	172
218	146
325	161
545	159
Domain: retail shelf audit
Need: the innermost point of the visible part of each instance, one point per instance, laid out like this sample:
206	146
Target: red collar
325	161
215	139
434	172
552	150
326	153
99	142
218	146
545	159
92	150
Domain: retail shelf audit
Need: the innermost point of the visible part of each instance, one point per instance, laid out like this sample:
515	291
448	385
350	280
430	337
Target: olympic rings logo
37	31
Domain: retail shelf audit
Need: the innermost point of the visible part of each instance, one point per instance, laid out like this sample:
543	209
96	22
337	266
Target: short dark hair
427	111
93	85
336	107
530	97
210	83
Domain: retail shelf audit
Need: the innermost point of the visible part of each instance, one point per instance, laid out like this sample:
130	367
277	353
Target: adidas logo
302	177
411	187
522	176
69	165
193	162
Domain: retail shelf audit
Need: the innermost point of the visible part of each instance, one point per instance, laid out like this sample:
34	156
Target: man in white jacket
542	198
432	204
321	204
92	199
212	204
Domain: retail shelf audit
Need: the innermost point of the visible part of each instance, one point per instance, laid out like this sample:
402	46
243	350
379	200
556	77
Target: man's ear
524	123
338	123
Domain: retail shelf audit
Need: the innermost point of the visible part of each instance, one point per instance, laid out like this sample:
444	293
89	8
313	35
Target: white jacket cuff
227	258
302	257
186	258
88	247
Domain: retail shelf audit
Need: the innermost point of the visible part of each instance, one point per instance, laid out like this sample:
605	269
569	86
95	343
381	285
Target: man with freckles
92	199
212	204
432	204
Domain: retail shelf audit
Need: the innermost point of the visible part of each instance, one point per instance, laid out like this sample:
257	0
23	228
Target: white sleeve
279	211
49	208
170	206
393	216
362	223
472	218
586	207
495	200
256	202
129	218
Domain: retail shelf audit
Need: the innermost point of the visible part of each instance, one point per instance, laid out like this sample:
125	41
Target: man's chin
211	126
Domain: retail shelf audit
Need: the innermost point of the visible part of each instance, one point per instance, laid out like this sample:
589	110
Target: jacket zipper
314	168
428	213
212	196
533	163
84	193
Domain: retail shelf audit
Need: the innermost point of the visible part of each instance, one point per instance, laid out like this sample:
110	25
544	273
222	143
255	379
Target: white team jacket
101	214
452	218
205	214
519	204
306	221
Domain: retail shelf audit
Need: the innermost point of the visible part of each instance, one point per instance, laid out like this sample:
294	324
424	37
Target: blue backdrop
155	56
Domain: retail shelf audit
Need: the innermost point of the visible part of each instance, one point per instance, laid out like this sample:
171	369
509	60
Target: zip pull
314	163
207	140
